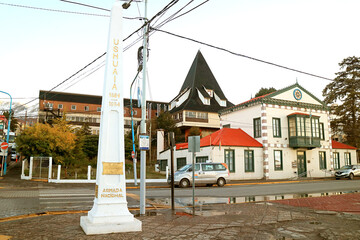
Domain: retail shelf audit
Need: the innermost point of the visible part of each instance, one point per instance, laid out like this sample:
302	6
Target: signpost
110	213
193	146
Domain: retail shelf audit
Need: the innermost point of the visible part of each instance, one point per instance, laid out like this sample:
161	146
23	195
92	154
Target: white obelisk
110	213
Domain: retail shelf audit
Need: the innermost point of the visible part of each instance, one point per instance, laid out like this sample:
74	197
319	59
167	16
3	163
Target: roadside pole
8	131
143	119
172	144
193	146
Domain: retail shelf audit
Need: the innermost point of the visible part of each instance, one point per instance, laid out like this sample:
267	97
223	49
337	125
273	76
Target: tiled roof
338	145
225	137
304	114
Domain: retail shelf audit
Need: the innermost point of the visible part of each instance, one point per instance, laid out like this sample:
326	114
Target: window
226	126
292	129
207	167
249	160
191	114
257	128
230	159
315	127
322	133
276	127
207	101
336	160
201	159
300	126
73	107
86	108
322	160
180	162
98	109
347	158
202	115
278	160
219	167
162	165
60	106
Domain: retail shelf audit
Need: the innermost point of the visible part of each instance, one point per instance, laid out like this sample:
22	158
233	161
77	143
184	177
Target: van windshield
184	168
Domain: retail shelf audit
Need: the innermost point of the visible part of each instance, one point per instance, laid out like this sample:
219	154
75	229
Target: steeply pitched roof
338	145
198	78
225	137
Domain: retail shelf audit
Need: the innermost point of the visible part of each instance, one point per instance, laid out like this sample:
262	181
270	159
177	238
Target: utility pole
172	144
143	120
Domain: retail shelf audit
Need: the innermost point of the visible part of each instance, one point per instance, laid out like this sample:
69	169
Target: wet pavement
323	217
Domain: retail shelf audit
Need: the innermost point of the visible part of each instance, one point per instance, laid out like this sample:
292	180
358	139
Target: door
301	163
207	173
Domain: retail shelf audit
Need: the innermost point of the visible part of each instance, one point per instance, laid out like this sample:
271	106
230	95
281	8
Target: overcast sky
41	48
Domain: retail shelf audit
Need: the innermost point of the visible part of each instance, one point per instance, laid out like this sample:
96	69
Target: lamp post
8	128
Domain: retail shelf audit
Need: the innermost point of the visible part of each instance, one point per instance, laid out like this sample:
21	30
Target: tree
57	141
166	122
194	131
14	121
345	92
264	91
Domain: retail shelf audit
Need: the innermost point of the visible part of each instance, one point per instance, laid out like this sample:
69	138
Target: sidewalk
329	217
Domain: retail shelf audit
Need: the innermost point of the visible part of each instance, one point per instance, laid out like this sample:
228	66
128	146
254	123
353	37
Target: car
348	171
205	174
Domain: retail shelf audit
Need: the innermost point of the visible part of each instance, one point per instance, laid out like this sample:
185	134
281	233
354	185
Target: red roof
299	113
225	137
338	145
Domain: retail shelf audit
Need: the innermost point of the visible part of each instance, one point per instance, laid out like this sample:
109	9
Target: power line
239	54
53	10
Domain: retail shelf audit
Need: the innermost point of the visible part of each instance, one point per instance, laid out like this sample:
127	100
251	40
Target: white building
282	135
294	129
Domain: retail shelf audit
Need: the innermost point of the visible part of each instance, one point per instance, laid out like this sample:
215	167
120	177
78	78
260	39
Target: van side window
208	167
219	167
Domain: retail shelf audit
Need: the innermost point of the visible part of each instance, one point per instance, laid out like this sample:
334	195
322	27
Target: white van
205	173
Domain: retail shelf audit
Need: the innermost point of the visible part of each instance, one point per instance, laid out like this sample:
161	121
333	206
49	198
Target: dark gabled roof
69	97
198	78
84	98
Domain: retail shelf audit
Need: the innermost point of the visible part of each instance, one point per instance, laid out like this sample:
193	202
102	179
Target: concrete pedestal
91	228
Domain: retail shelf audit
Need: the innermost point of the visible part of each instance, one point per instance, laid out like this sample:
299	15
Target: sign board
194	143
144	142
4	145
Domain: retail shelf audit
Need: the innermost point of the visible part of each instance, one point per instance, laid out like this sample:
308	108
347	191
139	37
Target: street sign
144	142
4	145
132	154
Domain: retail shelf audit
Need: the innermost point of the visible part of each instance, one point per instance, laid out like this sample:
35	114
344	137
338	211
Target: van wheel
351	176
220	182
184	183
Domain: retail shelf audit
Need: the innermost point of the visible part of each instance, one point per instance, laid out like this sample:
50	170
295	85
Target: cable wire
240	55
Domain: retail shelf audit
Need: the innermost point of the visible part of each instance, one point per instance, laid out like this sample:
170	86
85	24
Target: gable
296	93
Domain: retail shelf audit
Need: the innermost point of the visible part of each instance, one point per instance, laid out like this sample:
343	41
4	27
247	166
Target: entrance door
301	163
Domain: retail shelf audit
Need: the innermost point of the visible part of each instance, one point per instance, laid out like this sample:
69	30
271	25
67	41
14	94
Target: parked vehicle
348	171
205	173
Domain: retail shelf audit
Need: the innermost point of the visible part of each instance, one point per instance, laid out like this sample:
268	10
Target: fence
42	168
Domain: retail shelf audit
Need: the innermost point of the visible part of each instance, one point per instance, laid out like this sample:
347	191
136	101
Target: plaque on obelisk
110	213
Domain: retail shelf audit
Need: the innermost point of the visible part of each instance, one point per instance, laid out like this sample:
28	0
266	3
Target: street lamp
8	129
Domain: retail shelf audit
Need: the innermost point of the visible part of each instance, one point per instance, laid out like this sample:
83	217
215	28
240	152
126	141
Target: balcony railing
304	142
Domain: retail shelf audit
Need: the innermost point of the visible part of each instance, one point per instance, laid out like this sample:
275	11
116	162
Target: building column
264	136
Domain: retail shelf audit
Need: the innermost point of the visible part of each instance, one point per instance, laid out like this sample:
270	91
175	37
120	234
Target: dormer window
207	101
210	92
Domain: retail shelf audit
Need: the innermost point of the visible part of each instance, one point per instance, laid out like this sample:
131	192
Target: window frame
276	126
322	160
249	167
281	161
322	131
178	166
257	127
230	162
347	159
336	157
60	106
73	107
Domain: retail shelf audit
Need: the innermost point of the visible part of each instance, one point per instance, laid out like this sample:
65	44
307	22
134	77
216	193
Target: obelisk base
91	228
